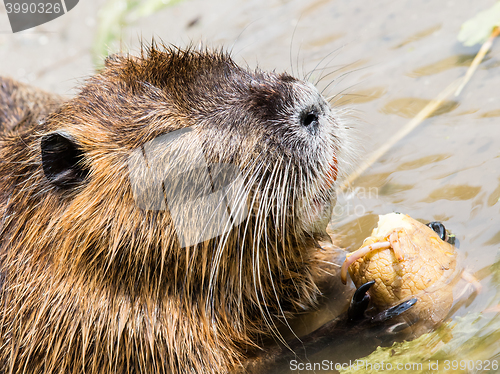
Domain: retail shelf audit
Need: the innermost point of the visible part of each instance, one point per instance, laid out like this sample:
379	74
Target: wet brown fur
89	282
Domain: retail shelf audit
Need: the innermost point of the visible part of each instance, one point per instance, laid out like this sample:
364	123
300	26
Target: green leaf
152	6
478	29
116	15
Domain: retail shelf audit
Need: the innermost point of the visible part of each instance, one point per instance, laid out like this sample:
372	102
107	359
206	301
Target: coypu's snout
319	155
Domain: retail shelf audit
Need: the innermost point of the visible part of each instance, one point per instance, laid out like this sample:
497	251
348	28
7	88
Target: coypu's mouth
319	212
320	208
331	174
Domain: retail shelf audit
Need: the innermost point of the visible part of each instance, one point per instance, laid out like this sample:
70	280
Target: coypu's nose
310	120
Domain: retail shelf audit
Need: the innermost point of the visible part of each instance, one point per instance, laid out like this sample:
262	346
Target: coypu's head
190	147
177	181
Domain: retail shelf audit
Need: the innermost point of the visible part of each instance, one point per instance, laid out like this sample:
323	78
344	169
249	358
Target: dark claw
394	311
439	229
359	302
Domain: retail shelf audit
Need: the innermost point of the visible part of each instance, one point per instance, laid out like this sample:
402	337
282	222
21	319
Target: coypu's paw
361	300
406	259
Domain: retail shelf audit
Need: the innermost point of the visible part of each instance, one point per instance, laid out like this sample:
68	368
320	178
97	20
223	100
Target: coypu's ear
61	160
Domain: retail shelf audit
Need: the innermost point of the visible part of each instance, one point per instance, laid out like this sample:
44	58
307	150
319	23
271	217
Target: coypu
95	280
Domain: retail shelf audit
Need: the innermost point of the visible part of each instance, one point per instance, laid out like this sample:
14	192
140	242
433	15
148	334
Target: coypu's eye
61	160
310	120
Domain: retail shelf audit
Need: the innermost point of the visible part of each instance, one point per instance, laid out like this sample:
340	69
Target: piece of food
406	259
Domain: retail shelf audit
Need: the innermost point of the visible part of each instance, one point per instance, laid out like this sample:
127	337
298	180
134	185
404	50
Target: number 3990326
38	8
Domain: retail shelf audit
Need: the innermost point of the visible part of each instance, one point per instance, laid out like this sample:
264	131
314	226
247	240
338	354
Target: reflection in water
495	240
449	192
408	107
372	180
442	65
419	35
494	197
465	112
492	113
361	96
390	189
422	161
